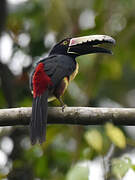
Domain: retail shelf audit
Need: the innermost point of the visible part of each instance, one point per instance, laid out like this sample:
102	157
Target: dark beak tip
111	53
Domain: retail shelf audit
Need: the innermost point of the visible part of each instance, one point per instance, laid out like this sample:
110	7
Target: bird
52	74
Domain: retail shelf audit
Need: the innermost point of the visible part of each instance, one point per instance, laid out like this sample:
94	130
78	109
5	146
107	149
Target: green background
103	81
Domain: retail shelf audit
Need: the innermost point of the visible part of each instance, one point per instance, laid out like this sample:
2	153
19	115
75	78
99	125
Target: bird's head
83	45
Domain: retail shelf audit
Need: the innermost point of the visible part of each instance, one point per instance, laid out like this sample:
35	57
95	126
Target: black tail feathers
39	119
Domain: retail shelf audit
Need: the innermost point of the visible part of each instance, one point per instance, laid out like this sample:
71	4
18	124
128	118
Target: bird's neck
73	56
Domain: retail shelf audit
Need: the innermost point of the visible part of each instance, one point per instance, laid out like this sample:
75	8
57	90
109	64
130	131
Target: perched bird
51	76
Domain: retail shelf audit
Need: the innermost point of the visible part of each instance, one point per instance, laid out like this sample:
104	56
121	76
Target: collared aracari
51	76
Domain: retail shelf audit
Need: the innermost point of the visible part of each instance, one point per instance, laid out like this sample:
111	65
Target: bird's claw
63	107
62	104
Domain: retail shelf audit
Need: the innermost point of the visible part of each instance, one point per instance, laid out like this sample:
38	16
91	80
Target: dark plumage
52	75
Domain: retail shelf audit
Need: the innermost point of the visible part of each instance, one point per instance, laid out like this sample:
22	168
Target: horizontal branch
71	115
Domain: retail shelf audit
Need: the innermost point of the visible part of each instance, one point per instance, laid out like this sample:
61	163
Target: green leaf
80	172
120	167
133	167
116	135
94	139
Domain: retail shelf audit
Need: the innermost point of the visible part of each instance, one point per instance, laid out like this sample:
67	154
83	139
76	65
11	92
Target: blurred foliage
120	167
78	172
94	139
116	135
103	80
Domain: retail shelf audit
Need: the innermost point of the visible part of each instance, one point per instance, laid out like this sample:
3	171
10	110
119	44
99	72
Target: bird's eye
65	43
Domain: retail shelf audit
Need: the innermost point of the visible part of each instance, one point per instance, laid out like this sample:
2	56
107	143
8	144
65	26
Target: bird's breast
61	88
59	91
73	75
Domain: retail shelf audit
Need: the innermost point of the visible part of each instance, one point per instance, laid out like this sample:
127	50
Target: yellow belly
74	73
51	98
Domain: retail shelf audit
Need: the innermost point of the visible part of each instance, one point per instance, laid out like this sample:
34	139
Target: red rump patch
40	81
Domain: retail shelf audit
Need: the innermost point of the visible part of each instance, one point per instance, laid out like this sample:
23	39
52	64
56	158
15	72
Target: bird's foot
63	107
62	104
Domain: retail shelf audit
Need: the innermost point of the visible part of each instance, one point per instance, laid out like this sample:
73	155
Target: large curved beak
90	44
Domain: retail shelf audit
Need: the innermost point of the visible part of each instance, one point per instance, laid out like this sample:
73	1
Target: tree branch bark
71	115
